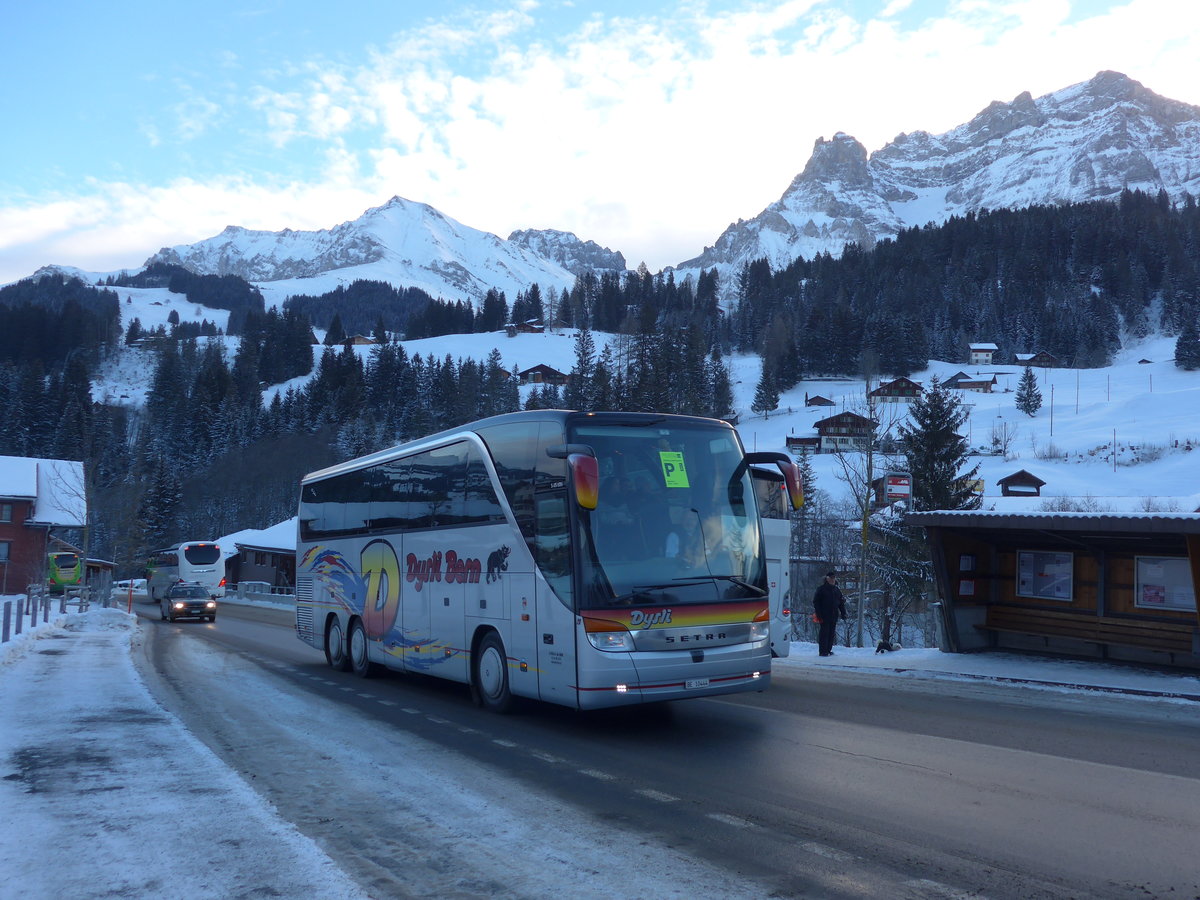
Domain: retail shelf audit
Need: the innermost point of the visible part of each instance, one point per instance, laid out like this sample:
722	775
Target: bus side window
482	506
554	543
512	447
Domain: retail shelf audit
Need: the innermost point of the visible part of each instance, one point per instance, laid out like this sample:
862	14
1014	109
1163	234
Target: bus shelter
1112	585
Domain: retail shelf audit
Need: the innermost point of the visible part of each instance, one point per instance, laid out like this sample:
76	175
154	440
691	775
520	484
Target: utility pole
866	520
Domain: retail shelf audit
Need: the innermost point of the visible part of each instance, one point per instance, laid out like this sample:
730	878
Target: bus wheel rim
491	673
358	646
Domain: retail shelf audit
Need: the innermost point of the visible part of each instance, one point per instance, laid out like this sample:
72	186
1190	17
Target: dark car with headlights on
188	600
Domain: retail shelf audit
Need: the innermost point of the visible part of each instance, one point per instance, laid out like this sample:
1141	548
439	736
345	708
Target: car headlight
611	640
179	605
211	604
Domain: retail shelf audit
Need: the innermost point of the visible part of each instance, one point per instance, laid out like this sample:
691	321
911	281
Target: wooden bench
1168	637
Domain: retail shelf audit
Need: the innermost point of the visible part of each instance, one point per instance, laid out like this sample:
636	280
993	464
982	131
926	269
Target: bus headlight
760	631
611	640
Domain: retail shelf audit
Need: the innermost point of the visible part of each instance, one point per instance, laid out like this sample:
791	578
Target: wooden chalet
977	383
845	431
817	400
1020	484
542	374
1111	586
1041	360
798	443
512	329
898	391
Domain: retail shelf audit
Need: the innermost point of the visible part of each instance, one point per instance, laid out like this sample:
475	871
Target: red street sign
897	487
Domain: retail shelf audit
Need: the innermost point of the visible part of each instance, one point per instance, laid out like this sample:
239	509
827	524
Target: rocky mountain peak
842	159
1086	142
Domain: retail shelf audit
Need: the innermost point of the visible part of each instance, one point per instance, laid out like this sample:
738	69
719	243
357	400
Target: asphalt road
830	784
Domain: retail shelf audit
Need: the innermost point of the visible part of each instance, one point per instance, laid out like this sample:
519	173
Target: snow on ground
106	794
136	806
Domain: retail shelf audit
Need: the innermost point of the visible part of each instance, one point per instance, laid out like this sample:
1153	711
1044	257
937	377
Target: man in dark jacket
828	604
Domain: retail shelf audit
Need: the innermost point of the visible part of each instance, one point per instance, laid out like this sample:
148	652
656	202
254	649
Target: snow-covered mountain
404	243
564	248
1086	142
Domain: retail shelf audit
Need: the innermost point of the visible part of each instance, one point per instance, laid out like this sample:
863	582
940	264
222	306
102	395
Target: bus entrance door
522	650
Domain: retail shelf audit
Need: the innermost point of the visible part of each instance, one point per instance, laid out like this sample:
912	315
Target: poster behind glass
1045	574
1164	582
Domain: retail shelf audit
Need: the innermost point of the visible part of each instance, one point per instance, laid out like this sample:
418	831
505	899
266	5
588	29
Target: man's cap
831	574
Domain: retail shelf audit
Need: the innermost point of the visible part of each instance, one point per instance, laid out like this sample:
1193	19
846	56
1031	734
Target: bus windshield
675	522
201	554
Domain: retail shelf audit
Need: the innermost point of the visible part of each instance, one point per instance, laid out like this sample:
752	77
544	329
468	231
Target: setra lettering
694	638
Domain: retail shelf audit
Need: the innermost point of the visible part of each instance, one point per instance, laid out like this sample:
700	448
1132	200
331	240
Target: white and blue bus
586	559
774	507
197	561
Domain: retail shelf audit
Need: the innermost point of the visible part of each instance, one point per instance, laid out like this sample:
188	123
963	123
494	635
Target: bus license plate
693	683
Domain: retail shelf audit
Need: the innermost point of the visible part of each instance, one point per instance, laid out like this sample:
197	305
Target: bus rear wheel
335	647
489	675
360	659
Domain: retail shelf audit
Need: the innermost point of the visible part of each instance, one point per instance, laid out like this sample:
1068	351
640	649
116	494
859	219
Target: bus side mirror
787	466
795	484
585	471
585	476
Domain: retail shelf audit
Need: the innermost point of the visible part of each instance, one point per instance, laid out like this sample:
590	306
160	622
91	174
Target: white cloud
647	134
119	225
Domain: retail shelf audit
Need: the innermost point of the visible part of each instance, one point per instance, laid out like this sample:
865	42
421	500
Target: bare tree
859	467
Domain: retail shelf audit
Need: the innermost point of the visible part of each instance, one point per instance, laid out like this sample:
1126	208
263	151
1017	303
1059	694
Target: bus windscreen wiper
741	582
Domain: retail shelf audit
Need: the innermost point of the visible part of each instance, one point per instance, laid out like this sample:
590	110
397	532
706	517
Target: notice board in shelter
1045	574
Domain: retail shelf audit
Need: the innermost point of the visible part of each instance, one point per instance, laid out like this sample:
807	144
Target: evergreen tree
937	453
721	387
336	333
158	511
1029	398
1187	346
766	395
579	393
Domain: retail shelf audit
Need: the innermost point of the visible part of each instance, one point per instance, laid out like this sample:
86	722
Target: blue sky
647	126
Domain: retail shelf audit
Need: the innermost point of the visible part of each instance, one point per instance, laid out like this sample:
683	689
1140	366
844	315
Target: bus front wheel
335	646
490	675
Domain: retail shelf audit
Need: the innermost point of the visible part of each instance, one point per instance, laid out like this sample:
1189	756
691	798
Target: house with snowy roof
1041	360
981	353
36	496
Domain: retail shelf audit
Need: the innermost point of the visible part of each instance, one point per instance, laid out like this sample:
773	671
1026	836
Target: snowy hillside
1154	409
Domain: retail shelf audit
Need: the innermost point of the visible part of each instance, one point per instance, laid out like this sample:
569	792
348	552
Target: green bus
64	569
